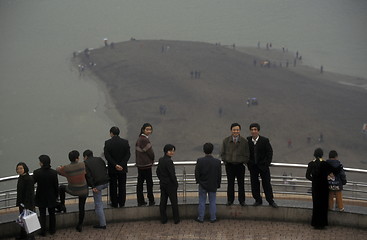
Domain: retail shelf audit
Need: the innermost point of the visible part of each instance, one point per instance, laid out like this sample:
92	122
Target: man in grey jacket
97	178
235	154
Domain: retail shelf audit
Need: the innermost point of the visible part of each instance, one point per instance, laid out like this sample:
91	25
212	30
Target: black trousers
52	219
235	171
171	193
255	172
82	200
117	187
144	175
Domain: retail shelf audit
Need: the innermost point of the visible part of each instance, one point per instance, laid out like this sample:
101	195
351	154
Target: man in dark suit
208	174
47	193
117	153
168	184
261	155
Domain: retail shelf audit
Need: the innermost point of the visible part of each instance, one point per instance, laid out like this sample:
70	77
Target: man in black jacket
168	184
117	153
47	193
208	174
97	178
261	155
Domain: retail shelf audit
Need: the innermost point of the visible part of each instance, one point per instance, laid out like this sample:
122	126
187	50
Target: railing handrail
178	163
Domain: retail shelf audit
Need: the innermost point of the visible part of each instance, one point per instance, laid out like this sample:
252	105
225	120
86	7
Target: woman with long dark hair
317	172
144	159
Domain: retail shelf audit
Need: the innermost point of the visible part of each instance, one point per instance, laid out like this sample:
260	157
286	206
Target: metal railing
286	185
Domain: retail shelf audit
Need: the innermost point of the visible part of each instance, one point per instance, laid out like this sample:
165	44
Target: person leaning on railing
336	185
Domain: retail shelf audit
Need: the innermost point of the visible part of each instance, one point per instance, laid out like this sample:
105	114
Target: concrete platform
234	222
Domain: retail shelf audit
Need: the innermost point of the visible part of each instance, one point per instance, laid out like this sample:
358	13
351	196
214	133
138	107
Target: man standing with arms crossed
117	153
261	155
97	179
235	153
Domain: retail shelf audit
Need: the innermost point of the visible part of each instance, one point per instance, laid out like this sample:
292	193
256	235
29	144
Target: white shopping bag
29	221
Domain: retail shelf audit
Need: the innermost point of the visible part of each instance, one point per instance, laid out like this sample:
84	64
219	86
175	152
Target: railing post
184	185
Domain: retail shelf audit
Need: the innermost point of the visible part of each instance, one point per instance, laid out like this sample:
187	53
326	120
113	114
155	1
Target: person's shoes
61	208
151	203
121	205
257	204
42	234
99	227
273	204
114	205
229	203
177	221
198	220
213	221
341	210
142	204
79	228
243	204
52	232
164	222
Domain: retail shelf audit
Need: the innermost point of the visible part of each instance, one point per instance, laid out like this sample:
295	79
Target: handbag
29	221
333	182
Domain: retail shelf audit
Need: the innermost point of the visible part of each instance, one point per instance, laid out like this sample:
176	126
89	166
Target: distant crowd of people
237	152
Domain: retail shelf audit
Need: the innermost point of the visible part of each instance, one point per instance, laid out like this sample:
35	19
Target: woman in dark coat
46	193
317	172
25	194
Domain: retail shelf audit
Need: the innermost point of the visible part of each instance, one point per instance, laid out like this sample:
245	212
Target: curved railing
286	186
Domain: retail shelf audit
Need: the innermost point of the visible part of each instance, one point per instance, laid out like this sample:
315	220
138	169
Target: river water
46	108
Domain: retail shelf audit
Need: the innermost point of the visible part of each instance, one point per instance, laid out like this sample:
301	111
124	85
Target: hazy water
47	109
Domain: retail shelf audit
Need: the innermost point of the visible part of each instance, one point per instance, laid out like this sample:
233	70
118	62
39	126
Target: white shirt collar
255	140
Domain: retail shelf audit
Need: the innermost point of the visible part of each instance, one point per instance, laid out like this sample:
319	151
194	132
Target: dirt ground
191	92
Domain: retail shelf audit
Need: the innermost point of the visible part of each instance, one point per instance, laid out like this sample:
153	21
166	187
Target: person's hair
256	125
168	147
318	153
115	131
87	153
235	125
25	167
333	154
45	160
145	125
208	148
73	155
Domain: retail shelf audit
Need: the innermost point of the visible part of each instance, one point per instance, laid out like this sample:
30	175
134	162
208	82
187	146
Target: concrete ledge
189	211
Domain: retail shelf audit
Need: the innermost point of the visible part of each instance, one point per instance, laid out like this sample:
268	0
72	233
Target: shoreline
303	68
109	108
